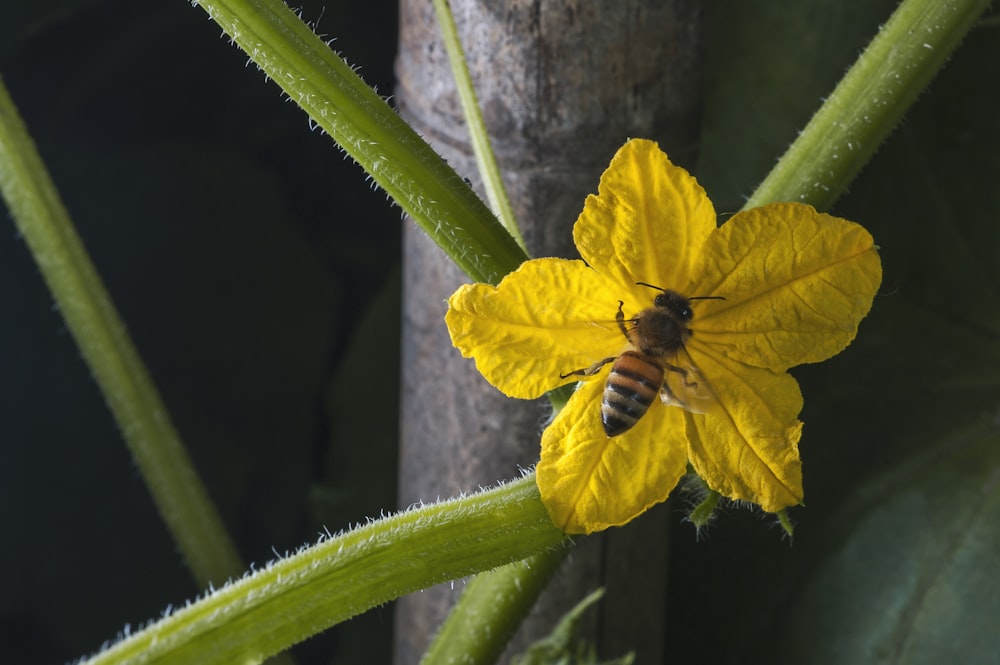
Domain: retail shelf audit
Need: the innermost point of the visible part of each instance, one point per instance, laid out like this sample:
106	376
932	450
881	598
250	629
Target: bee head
675	303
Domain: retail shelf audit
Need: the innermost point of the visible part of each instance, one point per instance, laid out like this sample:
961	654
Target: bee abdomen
633	384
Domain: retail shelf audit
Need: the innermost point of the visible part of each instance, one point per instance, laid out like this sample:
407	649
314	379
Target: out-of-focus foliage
563	647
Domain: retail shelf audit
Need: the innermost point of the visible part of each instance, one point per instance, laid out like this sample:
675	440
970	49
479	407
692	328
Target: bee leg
685	387
589	371
667	394
593	369
620	318
685	374
668	397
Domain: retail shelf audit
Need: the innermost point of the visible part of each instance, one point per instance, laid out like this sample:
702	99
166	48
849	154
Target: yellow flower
794	285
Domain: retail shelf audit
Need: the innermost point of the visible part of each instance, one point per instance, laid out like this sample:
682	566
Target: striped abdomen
632	386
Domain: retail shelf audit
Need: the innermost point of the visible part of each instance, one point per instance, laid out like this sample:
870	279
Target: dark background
257	272
258	275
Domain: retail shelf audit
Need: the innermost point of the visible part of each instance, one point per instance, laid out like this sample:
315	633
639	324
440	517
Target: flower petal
796	284
548	317
647	221
589	481
746	446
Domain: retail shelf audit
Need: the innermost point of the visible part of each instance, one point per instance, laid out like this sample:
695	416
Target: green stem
339	577
490	610
489	170
495	603
701	514
98	330
868	102
371	132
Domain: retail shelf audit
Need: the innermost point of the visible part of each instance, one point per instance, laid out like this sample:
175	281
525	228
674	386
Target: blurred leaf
362	403
911	572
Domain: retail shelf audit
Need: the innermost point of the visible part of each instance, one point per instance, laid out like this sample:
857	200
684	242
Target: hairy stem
371	132
339	577
490	610
865	106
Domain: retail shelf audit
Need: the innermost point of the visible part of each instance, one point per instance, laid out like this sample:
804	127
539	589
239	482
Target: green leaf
910	576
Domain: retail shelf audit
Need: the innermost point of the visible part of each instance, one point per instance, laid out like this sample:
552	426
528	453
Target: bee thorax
657	332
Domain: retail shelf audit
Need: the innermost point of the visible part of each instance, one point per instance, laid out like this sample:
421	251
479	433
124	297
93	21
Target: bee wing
684	385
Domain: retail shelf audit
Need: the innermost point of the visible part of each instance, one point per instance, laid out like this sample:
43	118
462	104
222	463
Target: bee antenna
660	288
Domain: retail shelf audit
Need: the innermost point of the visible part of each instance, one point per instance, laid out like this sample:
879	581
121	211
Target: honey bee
655	362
